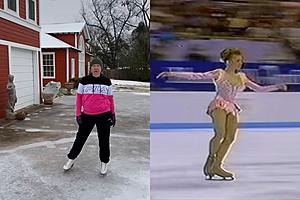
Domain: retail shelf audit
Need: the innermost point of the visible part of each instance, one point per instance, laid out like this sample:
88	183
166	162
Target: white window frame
16	13
81	57
27	12
48	53
73	67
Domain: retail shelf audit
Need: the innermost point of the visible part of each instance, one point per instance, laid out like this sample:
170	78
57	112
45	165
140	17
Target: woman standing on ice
94	106
223	109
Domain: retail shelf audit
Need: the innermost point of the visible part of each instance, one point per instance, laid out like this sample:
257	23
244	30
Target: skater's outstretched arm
258	88
191	75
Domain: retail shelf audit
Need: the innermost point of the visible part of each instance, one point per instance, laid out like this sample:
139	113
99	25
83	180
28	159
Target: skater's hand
79	120
282	87
164	75
112	120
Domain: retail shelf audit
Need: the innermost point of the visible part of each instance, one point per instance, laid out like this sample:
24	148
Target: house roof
48	41
63	28
77	27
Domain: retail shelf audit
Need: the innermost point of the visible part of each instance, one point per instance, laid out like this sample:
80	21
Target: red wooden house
19	51
64	52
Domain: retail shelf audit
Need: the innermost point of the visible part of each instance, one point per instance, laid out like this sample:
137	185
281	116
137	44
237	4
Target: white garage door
22	69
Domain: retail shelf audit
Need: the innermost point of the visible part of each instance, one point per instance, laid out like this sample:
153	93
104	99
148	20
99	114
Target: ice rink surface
266	163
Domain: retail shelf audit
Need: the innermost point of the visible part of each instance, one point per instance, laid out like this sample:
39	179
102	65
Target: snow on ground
130	83
266	164
143	94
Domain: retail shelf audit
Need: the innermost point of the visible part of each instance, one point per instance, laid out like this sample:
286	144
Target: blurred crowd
225	18
267	20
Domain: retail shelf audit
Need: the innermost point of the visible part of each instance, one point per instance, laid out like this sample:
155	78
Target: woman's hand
282	87
164	75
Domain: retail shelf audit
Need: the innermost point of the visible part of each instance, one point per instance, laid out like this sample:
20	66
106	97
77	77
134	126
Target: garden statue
12	97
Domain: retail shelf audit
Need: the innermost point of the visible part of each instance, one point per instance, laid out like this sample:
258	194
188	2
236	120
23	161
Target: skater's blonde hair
227	53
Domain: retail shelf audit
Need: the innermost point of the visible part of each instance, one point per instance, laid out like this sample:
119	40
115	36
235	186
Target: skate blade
103	174
219	178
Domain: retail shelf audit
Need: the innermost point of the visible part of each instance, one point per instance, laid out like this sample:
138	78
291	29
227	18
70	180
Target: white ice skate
69	164
219	174
103	170
217	177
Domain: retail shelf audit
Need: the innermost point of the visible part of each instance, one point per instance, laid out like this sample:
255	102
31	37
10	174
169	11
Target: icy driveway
32	154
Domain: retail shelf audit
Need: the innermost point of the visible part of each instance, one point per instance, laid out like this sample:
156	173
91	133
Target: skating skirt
228	106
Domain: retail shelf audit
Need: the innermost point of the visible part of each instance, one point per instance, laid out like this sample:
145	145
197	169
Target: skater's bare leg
219	122
231	127
231	131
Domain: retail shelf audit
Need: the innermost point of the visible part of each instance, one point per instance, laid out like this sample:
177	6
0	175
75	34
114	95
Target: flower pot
48	98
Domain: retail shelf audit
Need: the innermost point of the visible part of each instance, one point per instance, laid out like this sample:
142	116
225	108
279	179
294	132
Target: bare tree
110	23
140	51
143	7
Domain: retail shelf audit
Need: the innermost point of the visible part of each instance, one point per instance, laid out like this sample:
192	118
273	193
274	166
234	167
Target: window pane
12	4
31	9
48	65
45	59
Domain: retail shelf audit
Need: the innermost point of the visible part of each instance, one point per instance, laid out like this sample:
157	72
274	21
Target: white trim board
18	45
9	59
68	64
36	85
76	42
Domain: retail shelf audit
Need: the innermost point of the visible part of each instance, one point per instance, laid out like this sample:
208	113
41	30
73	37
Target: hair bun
228	52
225	54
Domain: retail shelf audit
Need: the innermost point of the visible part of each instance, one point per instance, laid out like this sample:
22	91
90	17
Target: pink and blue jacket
94	96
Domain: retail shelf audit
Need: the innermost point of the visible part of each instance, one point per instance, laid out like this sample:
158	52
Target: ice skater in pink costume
223	109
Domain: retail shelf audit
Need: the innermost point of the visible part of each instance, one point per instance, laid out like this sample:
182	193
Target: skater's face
96	70
236	62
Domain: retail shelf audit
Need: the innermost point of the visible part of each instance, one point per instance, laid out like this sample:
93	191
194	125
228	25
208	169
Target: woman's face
236	62
96	70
